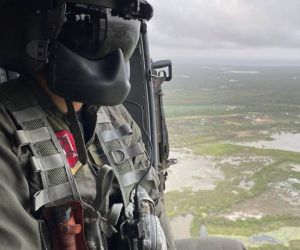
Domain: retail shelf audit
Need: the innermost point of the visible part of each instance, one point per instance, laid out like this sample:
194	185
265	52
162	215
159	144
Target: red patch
67	142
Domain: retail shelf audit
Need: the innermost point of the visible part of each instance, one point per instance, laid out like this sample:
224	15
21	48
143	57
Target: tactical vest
127	160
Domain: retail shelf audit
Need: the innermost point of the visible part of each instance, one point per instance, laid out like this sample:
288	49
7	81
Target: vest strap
28	114
118	133
26	137
121	155
51	194
103	184
102	117
115	212
46	163
133	177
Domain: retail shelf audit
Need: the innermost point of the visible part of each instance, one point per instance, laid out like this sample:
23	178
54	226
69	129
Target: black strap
77	132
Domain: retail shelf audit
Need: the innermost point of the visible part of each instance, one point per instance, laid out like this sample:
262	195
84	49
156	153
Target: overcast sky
230	29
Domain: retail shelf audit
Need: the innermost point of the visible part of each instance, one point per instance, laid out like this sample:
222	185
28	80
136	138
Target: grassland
209	112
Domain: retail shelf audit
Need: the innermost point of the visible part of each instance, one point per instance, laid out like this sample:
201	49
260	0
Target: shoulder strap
116	144
48	158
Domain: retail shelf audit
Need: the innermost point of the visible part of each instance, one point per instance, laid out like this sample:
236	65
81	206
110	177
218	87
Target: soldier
74	170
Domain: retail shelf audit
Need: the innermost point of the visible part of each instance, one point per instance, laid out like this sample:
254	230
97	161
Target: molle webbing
48	159
119	155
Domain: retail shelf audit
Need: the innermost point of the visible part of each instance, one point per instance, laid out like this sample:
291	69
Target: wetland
235	132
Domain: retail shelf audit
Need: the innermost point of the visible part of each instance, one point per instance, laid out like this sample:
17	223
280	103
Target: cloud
225	24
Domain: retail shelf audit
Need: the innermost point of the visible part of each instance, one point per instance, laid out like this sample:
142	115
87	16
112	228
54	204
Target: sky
226	30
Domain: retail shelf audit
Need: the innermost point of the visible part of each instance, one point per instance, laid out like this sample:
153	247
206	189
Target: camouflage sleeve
154	193
18	229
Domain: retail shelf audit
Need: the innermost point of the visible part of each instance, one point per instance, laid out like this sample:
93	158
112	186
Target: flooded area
273	202
192	172
246	184
249	192
181	226
241	215
295	167
237	160
241	72
280	235
282	141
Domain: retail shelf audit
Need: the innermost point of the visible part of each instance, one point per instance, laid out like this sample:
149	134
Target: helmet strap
76	131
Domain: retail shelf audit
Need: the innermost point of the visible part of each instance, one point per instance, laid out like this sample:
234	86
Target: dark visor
84	29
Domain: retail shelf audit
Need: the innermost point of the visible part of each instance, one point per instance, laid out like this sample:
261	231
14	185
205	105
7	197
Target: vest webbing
119	155
48	158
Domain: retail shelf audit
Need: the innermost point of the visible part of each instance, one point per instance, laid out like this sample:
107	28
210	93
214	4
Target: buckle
38	49
118	156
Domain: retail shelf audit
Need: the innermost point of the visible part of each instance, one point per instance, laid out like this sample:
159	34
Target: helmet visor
83	30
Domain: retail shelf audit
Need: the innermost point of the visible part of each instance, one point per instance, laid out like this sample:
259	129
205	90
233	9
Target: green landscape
236	134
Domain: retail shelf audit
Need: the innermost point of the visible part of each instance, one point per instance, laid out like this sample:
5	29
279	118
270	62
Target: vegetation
217	114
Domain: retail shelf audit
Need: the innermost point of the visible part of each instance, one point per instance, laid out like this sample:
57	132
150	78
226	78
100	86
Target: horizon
226	31
234	62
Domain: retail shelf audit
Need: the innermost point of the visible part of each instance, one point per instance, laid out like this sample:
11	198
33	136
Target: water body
295	167
263	238
182	76
241	72
192	172
233	80
282	141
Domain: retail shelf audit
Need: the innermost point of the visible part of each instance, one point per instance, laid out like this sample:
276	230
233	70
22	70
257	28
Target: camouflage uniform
19	228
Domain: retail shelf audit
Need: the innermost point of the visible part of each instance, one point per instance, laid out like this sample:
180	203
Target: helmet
84	44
